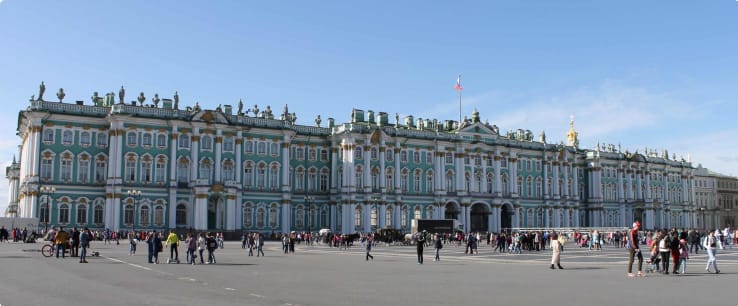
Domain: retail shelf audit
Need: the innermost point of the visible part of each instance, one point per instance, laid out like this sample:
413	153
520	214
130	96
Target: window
375	178
389	156
323	155
161	140
84	139
46	168
274	177
429	187
466	159
146	139
416	181
99	215
206	143
131	138
48	135
389	176
66	169
388	216
299	217
373	216
81	214
358	153
83	169
248	175
100	168
357	217
273	214
184	141
299	153
181	215
183	170
261	148
403	156
158	215
449	158
299	179
478	160
404	216
67	137
143	216
228	170
374	154
248	215
102	140
43	212
324	180
429	158
228	144
490	159
490	182
261	176
248	147
128	215
273	149
359	178
450	181
260	217
416	157
64	213
161	170
404	180
503	162
146	170
312	154
205	170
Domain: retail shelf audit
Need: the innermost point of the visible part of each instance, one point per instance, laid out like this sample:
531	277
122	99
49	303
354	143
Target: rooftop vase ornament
156	100
141	98
60	94
255	110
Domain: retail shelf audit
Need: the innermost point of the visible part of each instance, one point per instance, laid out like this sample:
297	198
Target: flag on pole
458	84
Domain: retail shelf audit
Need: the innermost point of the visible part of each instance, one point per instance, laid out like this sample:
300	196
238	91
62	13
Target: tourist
201	245
74	245
173	243
212	244
712	243
420	243
61	239
191	243
369	248
259	245
664	251
158	247
556	251
683	255
132	244
438	245
84	241
151	247
634	251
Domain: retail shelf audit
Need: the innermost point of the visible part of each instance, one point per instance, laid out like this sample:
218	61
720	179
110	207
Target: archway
216	212
479	218
452	211
506	213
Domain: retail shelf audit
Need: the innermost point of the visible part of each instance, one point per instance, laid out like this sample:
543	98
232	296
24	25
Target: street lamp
136	195
47	191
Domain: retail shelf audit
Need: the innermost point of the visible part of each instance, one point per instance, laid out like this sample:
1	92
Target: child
683	255
654	260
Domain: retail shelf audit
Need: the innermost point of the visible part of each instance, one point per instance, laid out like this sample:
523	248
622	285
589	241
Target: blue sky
656	74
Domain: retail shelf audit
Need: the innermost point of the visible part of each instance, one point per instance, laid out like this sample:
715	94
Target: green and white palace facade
230	171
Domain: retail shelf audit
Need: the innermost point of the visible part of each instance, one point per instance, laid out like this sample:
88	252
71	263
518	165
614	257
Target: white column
367	170
555	180
498	175
287	216
621	191
195	160
218	156
546	192
575	181
171	208
334	168
286	164
648	184
639	186
382	169
483	183
173	159
398	177
239	162
666	189
565	188
439	173
459	159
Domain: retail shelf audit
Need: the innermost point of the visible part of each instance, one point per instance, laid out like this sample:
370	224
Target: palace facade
121	166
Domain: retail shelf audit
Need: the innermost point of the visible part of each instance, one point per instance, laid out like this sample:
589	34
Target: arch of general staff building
159	167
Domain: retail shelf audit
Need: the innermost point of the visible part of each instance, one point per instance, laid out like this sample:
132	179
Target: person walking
158	247
712	243
191	243
556	251
664	251
420	243
260	245
84	242
201	245
151	247
634	250
438	245
369	243
173	242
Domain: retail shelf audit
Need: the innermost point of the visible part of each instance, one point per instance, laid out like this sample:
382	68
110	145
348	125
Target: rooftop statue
317	121
176	100
122	95
60	94
294	118
41	90
240	107
255	110
94	97
197	107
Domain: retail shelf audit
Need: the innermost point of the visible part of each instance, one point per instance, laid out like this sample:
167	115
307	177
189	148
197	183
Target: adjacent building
121	166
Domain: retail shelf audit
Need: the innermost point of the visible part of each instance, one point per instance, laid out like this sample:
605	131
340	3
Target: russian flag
458	84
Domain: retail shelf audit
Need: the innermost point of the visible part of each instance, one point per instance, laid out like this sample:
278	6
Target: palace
120	166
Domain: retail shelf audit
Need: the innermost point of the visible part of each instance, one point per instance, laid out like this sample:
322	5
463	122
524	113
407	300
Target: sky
643	74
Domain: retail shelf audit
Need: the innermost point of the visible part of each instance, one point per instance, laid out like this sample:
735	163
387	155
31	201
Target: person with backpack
212	244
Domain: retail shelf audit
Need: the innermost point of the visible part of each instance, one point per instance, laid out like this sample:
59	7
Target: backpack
211	243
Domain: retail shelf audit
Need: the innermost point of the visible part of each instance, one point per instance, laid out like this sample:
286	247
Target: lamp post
45	218
136	195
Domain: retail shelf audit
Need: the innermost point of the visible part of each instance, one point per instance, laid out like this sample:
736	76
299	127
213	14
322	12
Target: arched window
128	215
84	139
131	138
403	217
248	216
299	217
324	180
450	181
388	216
404	181
82	214
161	169
416	180
274	177
359	177
505	186
248	147
144	215
490	182
374	215
529	187
158	215
181	215
206	142
146	170
248	175
205	170
357	217
146	139
418	213
429	187
227	144
64	213
161	140
68	137
273	215
228	170
539	187
358	153
260	217
99	215
43	213
48	135
261	176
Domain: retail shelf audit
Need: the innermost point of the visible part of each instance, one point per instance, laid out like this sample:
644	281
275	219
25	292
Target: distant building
253	171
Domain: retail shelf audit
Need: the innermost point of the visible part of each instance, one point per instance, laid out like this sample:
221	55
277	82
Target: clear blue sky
656	74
